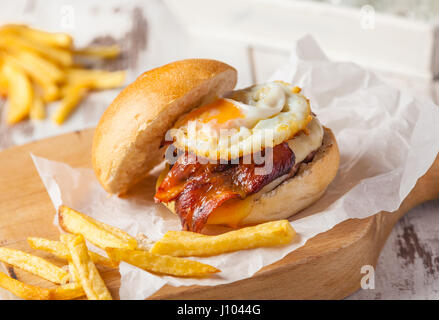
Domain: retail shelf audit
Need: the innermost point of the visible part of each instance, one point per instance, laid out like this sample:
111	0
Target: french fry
49	88
43	71
67	291
103	261
34	264
90	279
62	40
3	83
162	264
22	290
37	109
47	60
184	243
96	79
74	277
19	93
47	68
98	233
57	55
72	98
105	52
58	249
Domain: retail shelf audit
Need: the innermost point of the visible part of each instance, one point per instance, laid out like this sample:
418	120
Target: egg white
271	113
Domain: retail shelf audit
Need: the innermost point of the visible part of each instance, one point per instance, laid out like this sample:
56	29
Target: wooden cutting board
327	267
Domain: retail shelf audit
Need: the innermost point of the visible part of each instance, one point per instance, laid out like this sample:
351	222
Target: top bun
126	143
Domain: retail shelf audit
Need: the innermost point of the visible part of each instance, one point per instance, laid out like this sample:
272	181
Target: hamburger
231	157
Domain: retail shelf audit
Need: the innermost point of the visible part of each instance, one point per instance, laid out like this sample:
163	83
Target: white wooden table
408	267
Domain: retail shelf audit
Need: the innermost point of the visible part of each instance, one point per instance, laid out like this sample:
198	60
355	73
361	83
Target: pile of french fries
38	67
80	277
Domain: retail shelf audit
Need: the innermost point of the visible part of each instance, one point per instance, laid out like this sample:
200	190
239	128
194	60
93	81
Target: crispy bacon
198	188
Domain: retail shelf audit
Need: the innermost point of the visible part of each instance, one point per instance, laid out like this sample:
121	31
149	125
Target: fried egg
243	123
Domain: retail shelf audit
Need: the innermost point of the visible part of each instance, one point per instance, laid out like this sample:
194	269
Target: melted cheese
232	212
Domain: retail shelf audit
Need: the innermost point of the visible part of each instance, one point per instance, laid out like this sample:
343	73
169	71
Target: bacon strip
199	188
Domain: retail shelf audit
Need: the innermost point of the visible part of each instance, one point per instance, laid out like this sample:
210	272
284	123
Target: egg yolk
220	111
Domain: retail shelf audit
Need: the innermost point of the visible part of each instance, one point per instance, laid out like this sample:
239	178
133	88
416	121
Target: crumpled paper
387	140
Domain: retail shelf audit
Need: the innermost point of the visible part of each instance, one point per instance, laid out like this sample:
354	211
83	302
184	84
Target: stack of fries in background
80	277
38	67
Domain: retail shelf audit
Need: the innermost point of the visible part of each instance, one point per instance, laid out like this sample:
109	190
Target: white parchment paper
387	140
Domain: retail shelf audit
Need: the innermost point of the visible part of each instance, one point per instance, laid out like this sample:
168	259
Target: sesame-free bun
303	189
126	143
127	140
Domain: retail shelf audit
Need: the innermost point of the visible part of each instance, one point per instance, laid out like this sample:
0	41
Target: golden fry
47	60
33	264
22	290
161	264
98	233
60	250
74	277
43	71
96	79
68	291
49	88
37	109
184	243
3	83
62	40
89	277
72	98
19	93
105	52
56	55
48	69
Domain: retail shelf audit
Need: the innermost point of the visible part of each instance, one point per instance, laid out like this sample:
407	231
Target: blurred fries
3	82
37	109
61	40
73	96
34	264
104	52
22	290
20	93
89	277
60	56
44	68
98	233
95	79
49	88
185	243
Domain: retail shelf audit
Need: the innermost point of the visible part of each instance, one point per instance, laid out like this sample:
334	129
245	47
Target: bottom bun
298	192
303	189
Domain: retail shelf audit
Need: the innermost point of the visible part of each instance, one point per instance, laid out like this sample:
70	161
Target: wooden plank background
408	267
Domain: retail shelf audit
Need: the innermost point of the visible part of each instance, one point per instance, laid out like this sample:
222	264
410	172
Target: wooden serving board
327	267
